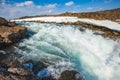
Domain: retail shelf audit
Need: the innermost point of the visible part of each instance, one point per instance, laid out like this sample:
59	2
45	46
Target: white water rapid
65	47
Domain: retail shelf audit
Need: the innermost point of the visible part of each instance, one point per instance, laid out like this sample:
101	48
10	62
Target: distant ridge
113	14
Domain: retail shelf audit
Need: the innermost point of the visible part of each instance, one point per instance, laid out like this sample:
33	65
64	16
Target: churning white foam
67	48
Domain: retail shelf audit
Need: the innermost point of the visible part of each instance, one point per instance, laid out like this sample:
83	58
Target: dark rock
43	73
10	32
3	21
16	67
14	70
11	24
2	52
10	35
39	69
15	37
2	55
5	77
71	75
3	67
14	63
28	66
38	66
9	76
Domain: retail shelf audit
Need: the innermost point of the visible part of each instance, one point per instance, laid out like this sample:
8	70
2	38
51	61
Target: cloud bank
69	3
27	8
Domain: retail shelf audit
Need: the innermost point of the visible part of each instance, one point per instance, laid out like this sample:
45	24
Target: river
66	47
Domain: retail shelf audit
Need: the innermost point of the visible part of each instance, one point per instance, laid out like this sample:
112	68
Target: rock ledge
10	32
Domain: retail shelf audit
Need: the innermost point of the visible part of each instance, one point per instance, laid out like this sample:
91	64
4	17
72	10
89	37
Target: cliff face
10	32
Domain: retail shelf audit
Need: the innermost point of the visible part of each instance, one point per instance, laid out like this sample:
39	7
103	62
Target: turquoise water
65	47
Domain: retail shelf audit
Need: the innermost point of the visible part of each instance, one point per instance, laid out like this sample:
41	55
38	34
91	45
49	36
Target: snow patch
105	23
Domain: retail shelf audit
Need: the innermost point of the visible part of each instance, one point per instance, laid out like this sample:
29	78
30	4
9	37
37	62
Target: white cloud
11	11
26	3
50	11
51	5
3	2
69	3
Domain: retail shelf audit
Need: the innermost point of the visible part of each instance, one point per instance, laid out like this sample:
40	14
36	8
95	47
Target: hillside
113	14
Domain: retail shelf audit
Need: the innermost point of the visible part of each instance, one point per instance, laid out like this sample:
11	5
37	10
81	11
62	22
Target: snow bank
106	23
50	19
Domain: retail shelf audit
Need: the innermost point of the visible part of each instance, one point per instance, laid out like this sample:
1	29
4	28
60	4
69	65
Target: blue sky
17	8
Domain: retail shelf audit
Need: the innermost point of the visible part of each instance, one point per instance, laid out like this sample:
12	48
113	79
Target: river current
66	47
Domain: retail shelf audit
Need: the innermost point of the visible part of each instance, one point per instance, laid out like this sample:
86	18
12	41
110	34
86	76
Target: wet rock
11	24
3	67
2	52
28	66
17	68
20	71
38	66
9	76
5	77
14	63
18	77
14	70
39	69
43	74
49	78
71	75
2	55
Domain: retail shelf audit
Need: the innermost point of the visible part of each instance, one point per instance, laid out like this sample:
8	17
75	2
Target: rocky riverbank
13	69
10	32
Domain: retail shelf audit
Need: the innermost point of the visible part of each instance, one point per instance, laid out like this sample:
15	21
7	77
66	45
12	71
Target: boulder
11	24
14	71
9	76
20	71
70	75
10	32
39	69
10	35
38	66
3	21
